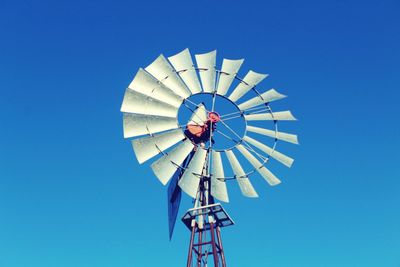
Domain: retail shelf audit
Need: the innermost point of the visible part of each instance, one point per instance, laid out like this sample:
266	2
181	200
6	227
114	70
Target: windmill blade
199	116
244	183
218	187
268	96
249	81
206	65
135	102
165	167
183	64
285	160
274	116
190	179
147	147
138	124
165	73
265	173
291	138
228	73
145	84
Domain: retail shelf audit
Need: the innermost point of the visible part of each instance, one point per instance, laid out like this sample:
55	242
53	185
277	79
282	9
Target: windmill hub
207	114
214	117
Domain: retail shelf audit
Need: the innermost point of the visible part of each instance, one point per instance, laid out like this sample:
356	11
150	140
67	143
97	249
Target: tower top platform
216	210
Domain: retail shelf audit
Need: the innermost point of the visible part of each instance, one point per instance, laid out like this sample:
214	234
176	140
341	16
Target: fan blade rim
189	182
164	167
162	70
251	79
146	84
243	181
148	147
218	188
229	70
271	179
274	116
141	124
282	158
206	64
183	65
135	102
287	137
266	97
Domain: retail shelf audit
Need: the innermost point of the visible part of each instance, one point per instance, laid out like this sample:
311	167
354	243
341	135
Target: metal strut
204	221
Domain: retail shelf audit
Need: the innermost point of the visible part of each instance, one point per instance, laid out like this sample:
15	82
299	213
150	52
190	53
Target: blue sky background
73	194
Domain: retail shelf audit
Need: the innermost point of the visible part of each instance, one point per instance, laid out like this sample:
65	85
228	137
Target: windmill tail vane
188	119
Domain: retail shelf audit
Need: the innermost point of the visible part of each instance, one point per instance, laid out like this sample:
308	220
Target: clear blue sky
73	194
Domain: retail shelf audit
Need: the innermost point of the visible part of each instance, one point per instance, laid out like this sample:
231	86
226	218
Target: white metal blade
228	72
285	160
146	84
166	166
183	64
199	116
147	147
190	179
249	81
165	73
138	124
291	138
268	96
274	116
244	183
135	102
206	65
265	173
218	187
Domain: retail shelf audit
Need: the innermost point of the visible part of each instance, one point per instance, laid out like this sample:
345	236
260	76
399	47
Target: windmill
193	128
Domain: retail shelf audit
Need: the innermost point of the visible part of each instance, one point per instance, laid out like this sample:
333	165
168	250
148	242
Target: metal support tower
205	222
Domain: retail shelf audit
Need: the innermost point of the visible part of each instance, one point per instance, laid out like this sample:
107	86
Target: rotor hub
214	117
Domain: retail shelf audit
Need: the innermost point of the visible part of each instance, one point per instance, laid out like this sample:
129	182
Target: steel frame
205	222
